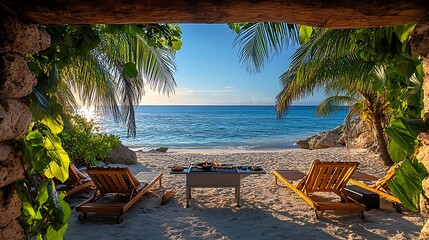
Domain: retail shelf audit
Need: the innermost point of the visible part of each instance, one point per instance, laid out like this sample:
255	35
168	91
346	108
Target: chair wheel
120	219
362	215
397	207
82	217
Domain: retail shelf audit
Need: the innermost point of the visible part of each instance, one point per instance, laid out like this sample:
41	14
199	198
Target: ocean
219	127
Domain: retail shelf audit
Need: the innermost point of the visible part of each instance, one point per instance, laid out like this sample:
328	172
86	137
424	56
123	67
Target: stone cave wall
16	82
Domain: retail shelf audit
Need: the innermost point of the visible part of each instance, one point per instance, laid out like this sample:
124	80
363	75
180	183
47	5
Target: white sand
267	212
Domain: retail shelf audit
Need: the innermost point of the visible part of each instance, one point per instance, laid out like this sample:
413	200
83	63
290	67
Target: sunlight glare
87	112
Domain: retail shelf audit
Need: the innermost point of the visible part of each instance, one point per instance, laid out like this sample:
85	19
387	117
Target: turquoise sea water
223	127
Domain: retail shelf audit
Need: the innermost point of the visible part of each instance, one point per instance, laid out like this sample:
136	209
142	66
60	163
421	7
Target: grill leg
188	195
237	195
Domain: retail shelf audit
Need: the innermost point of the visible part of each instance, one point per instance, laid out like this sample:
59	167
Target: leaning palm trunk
382	144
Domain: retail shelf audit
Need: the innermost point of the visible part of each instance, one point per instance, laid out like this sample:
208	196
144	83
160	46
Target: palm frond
258	41
100	80
333	104
339	75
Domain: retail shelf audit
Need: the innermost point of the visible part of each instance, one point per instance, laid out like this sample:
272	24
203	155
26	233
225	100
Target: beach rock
160	149
303	143
322	140
359	136
122	155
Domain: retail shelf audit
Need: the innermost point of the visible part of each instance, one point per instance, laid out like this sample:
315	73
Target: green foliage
106	65
304	34
130	70
407	184
43	151
401	140
403	32
84	144
44	213
374	67
252	39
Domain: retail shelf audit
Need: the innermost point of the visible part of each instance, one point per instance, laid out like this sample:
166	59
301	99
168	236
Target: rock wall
16	83
420	45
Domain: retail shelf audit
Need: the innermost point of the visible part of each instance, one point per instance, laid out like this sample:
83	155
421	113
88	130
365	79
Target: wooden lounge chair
77	181
117	180
380	187
323	177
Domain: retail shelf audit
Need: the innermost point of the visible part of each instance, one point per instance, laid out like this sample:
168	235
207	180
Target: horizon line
250	105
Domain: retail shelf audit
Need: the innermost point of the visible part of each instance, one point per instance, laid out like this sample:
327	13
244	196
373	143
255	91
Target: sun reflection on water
100	121
87	112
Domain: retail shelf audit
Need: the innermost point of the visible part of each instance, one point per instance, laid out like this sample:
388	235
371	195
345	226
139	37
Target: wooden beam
321	13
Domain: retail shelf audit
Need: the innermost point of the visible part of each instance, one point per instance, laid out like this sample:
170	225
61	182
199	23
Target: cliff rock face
16	82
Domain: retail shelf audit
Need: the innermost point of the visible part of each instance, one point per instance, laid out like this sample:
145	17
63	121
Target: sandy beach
267	211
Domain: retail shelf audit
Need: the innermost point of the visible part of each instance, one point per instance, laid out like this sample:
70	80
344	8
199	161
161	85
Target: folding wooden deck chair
77	181
117	180
323	177
380	187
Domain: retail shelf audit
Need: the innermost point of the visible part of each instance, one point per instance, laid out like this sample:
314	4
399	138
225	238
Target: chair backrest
390	174
113	179
328	176
73	174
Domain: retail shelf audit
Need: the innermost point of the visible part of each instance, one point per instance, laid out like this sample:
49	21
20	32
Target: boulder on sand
122	155
360	136
322	140
160	149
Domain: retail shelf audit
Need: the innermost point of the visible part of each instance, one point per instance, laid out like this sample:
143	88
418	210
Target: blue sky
210	73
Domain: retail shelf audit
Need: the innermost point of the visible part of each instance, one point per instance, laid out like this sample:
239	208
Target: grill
214	169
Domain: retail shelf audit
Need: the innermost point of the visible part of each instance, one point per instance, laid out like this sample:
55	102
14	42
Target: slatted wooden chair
77	181
329	177
117	180
380	187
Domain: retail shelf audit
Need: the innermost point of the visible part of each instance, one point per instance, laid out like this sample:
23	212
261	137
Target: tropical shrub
44	213
83	142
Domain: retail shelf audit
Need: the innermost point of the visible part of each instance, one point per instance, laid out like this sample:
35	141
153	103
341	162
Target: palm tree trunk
382	144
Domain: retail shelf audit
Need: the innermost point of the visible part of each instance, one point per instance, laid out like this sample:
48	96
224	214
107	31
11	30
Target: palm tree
371	106
108	66
329	60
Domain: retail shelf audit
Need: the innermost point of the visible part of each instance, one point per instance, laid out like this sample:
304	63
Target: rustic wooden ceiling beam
322	13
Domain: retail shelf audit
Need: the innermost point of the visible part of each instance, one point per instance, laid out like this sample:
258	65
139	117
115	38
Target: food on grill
177	168
256	168
205	165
